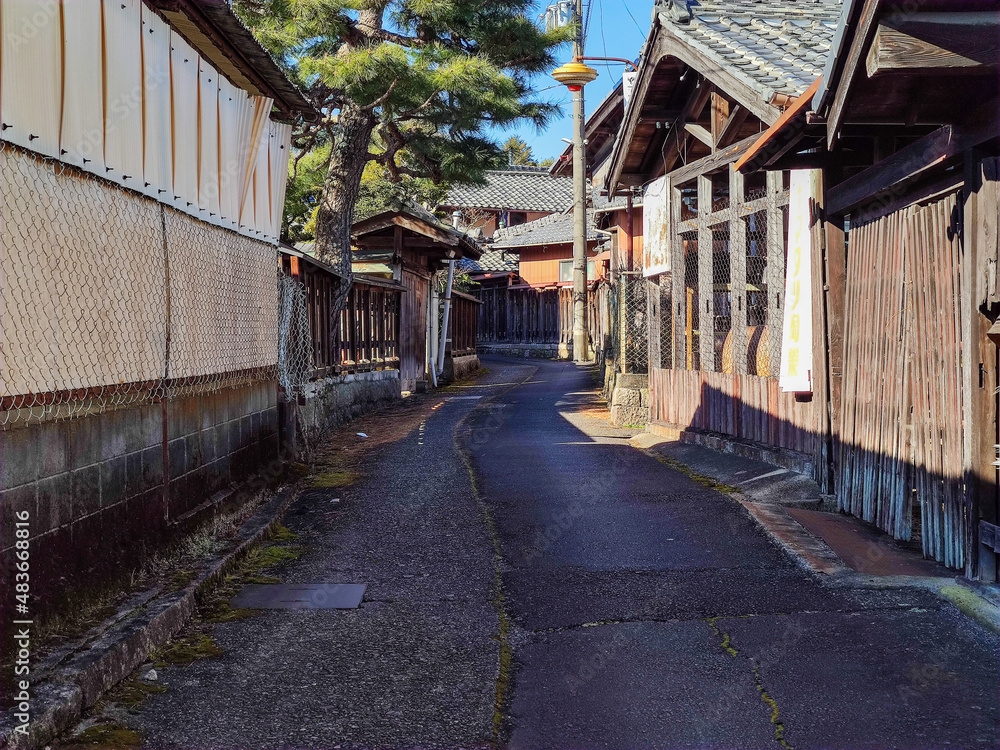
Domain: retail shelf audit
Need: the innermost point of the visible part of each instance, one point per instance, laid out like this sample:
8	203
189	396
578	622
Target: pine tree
419	80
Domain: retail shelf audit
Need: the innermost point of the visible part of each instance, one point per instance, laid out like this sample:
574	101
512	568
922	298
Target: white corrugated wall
139	107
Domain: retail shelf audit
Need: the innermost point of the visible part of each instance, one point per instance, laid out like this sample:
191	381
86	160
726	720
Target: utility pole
575	75
581	342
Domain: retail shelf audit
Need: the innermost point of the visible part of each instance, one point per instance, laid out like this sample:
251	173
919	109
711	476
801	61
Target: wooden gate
413	330
901	415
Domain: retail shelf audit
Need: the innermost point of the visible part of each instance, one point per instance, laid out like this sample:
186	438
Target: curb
77	684
971	604
813	555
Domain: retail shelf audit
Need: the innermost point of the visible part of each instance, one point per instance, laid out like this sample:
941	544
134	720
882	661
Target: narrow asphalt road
570	592
650	612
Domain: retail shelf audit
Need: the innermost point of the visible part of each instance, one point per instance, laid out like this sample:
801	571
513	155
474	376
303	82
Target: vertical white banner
796	339
656	228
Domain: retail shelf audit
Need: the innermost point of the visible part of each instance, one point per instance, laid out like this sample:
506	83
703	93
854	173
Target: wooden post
979	361
679	297
834	303
706	296
738	271
653	321
823	449
775	268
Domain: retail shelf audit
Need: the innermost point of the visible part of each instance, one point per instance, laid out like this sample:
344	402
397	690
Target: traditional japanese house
409	245
508	198
904	128
534	317
713	75
495	268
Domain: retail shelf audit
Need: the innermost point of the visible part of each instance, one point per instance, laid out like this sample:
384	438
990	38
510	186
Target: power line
625	3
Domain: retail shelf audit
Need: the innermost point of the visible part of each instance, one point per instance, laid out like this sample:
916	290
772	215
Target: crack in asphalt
504	677
726	643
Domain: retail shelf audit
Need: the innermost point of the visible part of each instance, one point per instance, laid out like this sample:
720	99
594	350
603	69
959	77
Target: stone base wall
629	399
783	458
457	368
103	491
333	401
528	351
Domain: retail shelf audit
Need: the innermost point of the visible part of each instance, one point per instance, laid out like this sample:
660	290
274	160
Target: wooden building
713	76
409	245
544	250
904	128
508	198
533	315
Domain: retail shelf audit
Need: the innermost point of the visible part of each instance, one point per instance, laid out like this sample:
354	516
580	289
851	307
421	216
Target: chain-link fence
295	340
725	311
632	352
109	298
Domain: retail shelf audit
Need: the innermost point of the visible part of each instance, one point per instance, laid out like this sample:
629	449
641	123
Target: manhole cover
300	596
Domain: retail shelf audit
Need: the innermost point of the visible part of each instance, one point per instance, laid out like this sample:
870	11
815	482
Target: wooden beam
738	273
712	162
775	271
720	116
706	295
721	76
892	174
678	292
888	178
854	54
701	133
731	128
936	42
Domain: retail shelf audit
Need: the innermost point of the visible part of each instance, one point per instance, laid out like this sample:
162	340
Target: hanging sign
796	338
656	228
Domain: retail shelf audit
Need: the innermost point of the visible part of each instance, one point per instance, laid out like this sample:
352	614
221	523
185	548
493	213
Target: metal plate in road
300	596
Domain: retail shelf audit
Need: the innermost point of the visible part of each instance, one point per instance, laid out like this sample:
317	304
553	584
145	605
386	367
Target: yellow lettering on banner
793	362
796	324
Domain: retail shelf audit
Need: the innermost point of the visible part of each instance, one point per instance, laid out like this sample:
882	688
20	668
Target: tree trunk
343	178
340	193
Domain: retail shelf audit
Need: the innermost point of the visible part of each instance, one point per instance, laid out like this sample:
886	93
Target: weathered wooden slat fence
540	316
742	406
902	435
463	324
367	332
365	336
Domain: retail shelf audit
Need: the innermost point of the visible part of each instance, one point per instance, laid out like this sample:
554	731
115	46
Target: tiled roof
515	189
775	47
549	230
493	261
602	203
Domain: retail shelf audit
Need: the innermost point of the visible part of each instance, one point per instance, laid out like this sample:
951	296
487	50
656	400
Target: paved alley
578	594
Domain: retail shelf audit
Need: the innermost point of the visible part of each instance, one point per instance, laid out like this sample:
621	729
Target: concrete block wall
94	485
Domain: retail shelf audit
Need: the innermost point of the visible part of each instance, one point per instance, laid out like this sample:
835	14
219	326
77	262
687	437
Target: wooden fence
742	406
464	324
367	333
540	316
901	423
365	336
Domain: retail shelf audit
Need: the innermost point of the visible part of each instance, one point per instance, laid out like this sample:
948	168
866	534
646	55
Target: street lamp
574	76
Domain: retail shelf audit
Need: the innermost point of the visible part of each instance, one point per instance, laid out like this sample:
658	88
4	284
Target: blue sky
617	29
